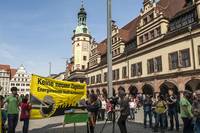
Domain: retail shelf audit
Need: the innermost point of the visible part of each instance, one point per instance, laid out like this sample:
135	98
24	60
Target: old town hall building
157	50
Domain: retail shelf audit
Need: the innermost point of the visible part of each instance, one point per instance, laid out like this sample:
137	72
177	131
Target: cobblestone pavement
54	125
132	128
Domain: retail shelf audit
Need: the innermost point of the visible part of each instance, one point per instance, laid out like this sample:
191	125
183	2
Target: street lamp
109	47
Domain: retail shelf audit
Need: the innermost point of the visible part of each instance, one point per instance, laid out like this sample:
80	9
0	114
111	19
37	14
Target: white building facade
21	80
4	79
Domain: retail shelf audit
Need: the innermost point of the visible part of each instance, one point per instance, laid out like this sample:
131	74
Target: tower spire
82	4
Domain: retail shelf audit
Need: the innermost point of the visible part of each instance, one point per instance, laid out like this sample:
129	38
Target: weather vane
82	3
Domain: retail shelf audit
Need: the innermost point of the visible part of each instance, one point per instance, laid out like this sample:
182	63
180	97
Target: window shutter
180	60
148	67
155	61
136	69
199	53
170	62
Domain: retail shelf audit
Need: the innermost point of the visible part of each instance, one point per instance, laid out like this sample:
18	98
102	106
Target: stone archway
147	89
121	88
92	91
192	85
105	93
133	90
165	86
98	92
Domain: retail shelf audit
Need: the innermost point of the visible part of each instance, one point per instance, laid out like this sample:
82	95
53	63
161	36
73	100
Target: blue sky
36	32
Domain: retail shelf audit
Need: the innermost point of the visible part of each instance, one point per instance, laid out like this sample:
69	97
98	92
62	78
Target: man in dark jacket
147	106
93	108
124	111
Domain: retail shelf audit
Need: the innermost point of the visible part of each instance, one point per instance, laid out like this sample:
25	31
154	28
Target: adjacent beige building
158	50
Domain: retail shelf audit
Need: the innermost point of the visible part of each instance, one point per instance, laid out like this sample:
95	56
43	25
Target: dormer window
151	16
146	37
145	21
152	34
158	31
141	40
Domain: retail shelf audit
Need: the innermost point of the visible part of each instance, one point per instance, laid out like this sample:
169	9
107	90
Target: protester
103	108
124	110
133	106
93	108
25	114
109	109
196	111
154	101
12	110
160	109
99	100
172	109
186	112
3	115
147	106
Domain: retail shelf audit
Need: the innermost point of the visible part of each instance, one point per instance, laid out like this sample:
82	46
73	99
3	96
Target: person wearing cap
124	110
186	112
196	111
12	110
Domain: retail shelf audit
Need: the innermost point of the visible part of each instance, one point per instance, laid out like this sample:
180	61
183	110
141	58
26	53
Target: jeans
132	113
197	126
149	113
26	125
122	123
173	114
187	125
160	121
90	129
12	122
103	114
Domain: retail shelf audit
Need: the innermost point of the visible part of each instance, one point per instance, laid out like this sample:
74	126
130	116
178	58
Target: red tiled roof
170	7
131	27
5	67
101	48
13	72
124	35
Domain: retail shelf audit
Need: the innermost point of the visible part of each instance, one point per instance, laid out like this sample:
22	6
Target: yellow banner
50	97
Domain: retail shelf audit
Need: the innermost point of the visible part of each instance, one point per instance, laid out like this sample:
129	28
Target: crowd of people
10	107
161	112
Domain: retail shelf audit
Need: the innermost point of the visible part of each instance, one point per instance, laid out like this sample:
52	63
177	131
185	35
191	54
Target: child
25	114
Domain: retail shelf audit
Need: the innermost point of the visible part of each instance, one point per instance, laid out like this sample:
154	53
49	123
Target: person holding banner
12	110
